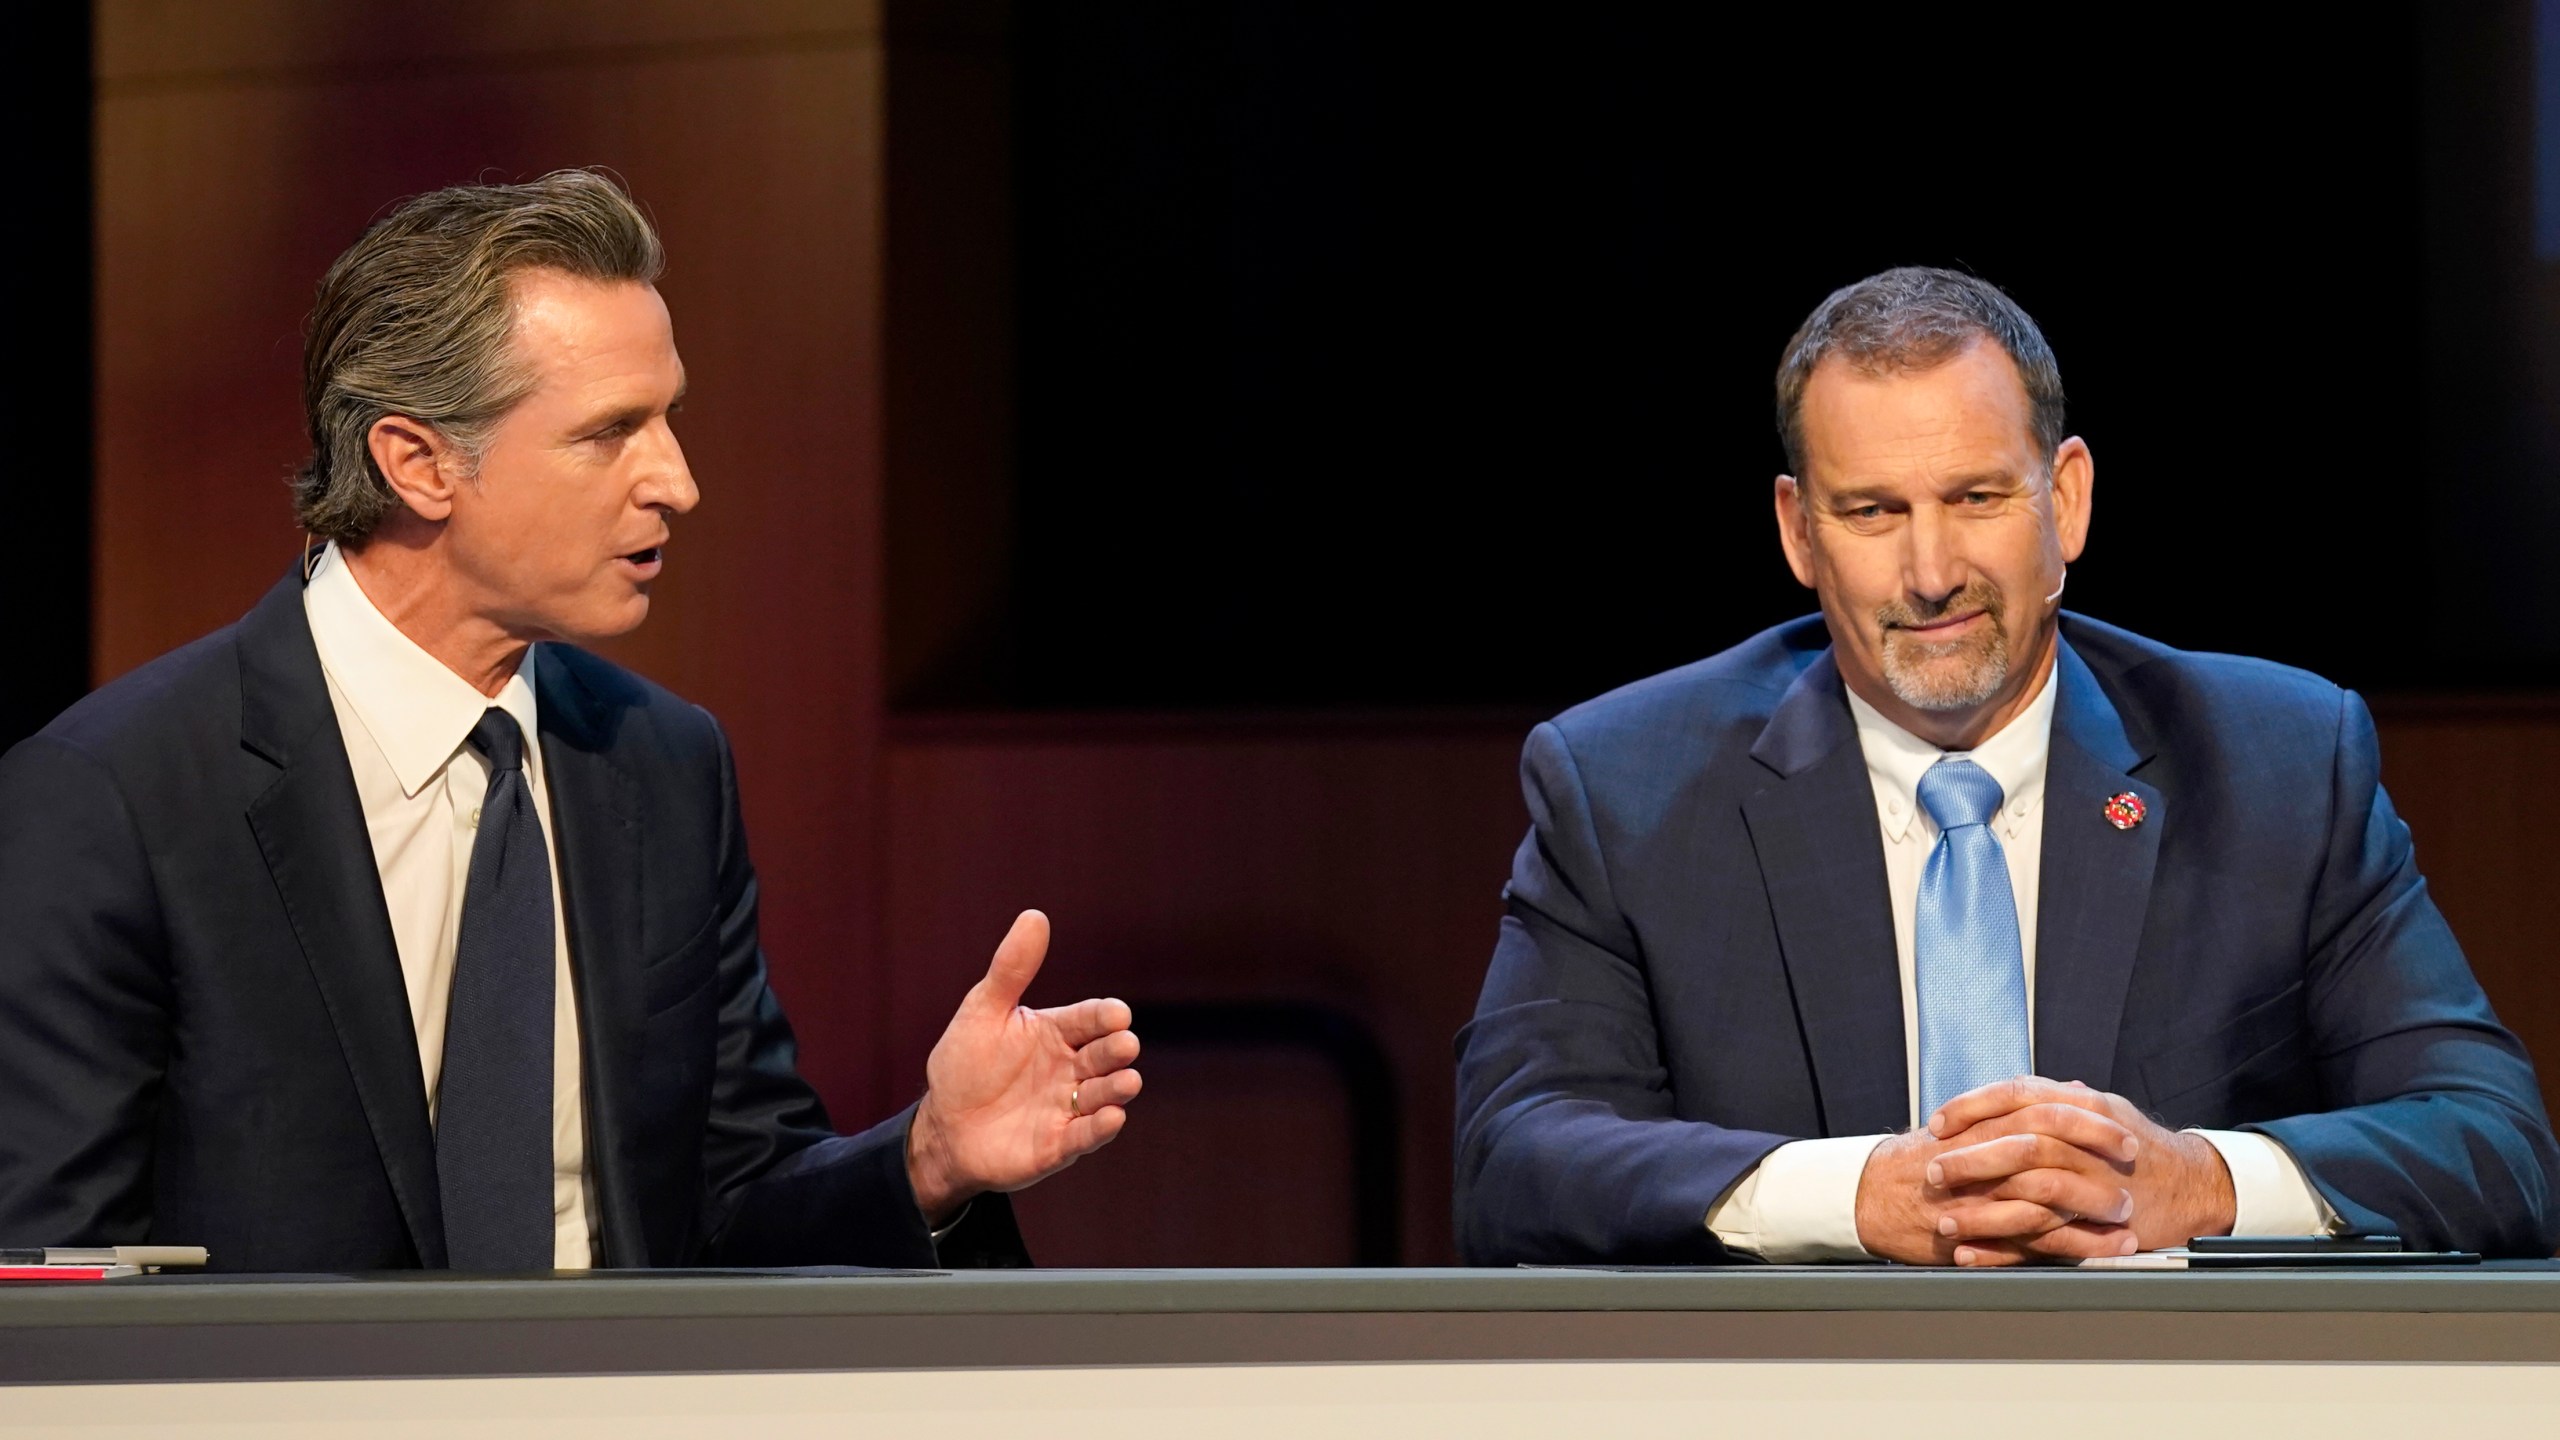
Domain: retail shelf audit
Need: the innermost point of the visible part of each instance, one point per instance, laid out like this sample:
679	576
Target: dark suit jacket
1698	960
205	1039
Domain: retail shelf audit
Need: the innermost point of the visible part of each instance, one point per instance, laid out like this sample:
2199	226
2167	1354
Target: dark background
44	406
1368	358
1158	459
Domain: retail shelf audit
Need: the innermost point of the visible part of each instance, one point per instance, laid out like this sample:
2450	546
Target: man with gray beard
1950	928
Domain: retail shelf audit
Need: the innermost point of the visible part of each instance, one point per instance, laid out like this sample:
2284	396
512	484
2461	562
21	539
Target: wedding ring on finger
1074	1104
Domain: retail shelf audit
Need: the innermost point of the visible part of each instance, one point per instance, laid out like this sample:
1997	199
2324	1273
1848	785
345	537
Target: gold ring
1073	1107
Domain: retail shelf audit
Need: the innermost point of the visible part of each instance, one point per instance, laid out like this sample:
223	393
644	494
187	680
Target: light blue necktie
1970	971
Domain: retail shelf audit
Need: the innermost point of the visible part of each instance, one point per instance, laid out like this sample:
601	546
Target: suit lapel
1822	862
2095	884
309	825
596	809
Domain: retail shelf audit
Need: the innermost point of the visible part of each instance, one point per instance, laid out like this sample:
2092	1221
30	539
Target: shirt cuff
1799	1205
944	1231
2270	1195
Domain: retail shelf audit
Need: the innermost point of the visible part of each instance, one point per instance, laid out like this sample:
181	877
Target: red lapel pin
2125	810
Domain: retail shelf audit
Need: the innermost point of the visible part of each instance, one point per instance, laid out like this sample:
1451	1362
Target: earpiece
2057	590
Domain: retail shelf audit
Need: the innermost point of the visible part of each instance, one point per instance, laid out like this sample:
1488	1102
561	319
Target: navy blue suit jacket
1698	961
205	1037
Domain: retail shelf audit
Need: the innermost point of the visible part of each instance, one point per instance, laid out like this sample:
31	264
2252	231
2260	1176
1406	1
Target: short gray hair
414	320
1917	318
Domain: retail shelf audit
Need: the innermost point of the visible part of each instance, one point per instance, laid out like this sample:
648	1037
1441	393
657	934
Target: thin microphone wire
2057	590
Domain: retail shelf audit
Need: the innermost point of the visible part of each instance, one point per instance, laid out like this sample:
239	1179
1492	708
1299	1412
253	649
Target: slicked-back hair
1917	318
415	318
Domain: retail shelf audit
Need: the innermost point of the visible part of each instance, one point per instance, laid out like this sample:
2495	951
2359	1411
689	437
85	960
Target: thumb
1017	961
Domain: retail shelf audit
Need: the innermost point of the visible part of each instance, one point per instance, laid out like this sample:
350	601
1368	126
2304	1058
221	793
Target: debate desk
1779	1353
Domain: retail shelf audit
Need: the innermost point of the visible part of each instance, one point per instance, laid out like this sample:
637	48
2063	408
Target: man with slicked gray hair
388	928
1949	927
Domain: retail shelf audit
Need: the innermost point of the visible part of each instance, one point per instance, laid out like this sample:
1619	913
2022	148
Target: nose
666	482
1933	566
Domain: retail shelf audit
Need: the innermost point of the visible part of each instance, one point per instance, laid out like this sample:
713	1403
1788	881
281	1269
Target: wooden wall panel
1330	863
2479	783
241	147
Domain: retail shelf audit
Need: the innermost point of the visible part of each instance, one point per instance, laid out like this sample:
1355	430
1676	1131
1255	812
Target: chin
603	622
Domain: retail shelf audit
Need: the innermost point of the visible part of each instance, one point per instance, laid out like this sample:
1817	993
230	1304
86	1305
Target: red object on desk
58	1272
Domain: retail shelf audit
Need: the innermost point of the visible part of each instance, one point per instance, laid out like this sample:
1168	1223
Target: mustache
1902	615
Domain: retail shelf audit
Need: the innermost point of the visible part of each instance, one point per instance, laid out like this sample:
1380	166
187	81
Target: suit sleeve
85	1004
785	1189
1569	1148
2439	1134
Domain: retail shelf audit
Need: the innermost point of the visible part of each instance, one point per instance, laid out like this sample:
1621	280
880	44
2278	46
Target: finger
1999	1220
1017	960
1088	1133
1104	1091
1994	1160
2075	1195
1999	1098
1086	1021
2083	1241
1115	1051
1994	1253
2098	1133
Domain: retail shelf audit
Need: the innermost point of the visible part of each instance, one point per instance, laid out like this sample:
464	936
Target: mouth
1945	627
645	563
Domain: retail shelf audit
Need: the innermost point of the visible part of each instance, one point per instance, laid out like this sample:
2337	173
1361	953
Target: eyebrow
630	413
1982	478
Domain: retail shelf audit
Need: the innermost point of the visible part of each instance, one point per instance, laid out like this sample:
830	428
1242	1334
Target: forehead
583	331
1966	416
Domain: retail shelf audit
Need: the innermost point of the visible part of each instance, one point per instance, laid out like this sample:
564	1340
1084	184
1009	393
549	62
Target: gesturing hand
2021	1140
1014	1095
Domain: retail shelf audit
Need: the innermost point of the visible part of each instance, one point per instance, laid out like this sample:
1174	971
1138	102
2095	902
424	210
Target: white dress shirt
405	718
1799	1204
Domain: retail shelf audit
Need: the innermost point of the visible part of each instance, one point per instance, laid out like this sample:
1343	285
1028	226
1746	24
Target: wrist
1888	1214
2210	1202
931	1175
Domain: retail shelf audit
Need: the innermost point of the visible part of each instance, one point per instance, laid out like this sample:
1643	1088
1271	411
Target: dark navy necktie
493	1103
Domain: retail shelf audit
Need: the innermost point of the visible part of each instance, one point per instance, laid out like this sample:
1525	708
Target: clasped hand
2028	1170
1012	1094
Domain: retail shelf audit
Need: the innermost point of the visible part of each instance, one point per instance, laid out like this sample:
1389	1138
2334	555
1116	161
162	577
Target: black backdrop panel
1373	357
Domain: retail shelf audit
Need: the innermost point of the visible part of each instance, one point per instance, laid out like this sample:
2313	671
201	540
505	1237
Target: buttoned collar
417	711
1896	759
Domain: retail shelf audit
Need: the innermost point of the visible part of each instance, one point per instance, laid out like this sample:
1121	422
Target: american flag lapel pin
2125	810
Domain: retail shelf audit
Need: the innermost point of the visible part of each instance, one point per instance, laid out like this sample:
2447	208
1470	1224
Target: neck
422	598
1966	729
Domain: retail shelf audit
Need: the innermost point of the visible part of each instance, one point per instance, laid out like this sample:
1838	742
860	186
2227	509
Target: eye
1867	512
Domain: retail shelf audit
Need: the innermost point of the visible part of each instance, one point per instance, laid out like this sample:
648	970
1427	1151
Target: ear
418	463
2075	474
1795	529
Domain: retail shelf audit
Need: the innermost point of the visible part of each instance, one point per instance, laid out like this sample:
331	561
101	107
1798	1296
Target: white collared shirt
1799	1204
405	719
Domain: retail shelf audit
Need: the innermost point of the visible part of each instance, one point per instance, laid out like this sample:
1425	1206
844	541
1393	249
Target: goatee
1957	674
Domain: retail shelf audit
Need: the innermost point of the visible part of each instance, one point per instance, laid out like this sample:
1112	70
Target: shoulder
1740	686
190	694
1652	739
624	713
2184	696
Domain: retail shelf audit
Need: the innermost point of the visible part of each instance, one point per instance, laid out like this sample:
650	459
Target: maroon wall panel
1348	866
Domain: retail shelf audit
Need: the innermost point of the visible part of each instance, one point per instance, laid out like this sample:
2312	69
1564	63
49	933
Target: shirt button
475	817
1895	806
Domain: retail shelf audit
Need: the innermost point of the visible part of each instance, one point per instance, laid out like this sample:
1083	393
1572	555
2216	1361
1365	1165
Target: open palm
1012	1094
